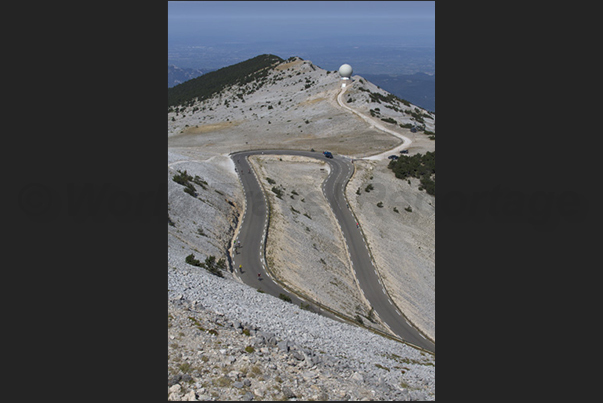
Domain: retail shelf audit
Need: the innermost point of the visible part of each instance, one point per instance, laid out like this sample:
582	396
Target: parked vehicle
404	152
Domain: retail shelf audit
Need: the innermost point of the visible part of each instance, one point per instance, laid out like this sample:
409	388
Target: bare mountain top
293	104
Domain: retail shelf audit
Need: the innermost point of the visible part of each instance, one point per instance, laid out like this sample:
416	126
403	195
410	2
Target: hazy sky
245	22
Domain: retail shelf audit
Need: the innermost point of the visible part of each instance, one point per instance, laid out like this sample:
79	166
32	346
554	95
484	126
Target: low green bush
417	166
277	192
284	297
210	264
389	120
190	259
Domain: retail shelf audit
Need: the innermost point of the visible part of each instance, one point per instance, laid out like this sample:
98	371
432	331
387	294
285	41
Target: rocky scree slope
214	355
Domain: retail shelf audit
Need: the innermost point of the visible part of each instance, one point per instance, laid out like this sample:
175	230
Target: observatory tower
345	71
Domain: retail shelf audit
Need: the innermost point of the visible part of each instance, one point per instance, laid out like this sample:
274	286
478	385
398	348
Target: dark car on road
393	157
328	154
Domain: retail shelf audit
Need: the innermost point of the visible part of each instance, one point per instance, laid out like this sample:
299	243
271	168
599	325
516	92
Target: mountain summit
268	102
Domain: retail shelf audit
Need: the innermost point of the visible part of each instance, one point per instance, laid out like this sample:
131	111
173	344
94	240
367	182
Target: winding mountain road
252	236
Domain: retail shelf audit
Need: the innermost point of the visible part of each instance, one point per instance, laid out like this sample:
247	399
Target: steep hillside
202	223
226	341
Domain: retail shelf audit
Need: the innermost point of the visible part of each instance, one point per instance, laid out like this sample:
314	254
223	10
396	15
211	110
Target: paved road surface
253	229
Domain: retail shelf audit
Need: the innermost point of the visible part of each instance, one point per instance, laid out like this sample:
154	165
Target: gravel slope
325	358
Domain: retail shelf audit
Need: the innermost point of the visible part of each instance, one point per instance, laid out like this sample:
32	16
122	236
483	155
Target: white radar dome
345	71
